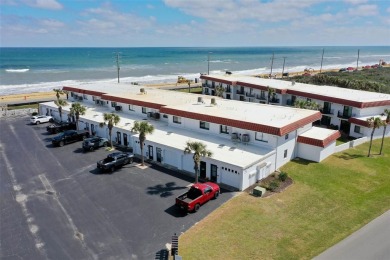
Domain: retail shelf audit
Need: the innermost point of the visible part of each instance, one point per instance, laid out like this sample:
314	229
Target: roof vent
213	102
200	100
142	90
293	82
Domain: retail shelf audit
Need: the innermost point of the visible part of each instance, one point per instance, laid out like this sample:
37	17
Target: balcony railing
343	115
239	92
228	90
327	111
248	94
274	100
261	97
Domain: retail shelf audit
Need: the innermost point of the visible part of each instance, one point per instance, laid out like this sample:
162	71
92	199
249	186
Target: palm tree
219	90
60	102
387	121
373	123
76	110
271	94
199	150
143	128
111	120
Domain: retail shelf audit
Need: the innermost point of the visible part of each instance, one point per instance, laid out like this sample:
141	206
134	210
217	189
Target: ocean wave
17	70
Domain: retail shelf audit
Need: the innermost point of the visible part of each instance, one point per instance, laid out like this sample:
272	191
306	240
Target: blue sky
131	23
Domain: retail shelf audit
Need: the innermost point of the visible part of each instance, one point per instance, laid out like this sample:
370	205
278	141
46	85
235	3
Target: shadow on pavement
164	190
176	211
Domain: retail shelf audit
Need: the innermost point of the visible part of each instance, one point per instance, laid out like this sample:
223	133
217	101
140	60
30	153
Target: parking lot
56	205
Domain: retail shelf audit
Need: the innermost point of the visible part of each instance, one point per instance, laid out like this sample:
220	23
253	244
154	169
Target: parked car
95	142
197	195
36	120
114	161
60	127
69	136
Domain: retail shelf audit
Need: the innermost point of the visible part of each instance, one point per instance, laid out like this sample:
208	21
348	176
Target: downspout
296	144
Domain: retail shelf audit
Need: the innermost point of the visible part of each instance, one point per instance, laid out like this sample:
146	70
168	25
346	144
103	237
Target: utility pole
272	63
284	61
323	50
117	64
357	61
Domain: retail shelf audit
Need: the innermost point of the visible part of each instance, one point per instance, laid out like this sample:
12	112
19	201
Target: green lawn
327	202
23	106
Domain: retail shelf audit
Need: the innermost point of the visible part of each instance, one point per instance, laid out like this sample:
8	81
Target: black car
60	127
115	160
95	142
69	136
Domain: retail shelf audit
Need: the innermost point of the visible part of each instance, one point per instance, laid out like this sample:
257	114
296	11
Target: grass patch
327	202
193	90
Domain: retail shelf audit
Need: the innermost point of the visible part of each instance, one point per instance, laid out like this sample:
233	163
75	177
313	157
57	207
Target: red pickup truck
197	195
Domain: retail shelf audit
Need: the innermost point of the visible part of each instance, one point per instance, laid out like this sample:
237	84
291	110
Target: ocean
26	70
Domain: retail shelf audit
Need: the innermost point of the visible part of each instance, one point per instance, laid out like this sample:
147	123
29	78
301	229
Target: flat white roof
223	149
329	91
318	133
274	116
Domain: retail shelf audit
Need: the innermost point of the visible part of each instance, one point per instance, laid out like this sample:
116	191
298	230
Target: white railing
17	112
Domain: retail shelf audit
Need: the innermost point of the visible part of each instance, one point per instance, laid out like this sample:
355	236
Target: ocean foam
17	70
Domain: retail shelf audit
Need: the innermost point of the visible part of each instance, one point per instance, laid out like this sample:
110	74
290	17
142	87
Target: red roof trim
83	91
318	142
132	102
357	121
241	124
260	87
233	83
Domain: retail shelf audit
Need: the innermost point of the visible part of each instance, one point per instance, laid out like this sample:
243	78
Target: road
370	242
56	205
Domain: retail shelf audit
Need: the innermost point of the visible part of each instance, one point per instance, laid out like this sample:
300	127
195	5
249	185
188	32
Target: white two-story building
341	108
248	140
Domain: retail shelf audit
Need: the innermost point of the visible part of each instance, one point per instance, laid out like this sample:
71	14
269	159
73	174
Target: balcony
274	101
228	90
248	94
343	115
261	97
240	92
327	111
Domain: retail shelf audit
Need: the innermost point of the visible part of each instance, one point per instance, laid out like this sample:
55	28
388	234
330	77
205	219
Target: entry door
158	154
150	149
118	138
92	129
213	172
202	169
125	139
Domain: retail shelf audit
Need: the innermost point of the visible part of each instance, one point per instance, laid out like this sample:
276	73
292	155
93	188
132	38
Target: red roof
133	101
280	131
318	142
83	91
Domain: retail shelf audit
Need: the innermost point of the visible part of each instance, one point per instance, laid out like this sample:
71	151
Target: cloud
44	4
364	10
356	2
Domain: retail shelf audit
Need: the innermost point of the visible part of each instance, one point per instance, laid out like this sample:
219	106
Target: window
224	129
131	107
285	153
261	137
165	116
143	110
85	96
176	120
357	129
204	125
286	137
93	98
113	104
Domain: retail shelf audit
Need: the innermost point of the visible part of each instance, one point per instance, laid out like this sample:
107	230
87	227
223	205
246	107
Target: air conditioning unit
118	108
149	114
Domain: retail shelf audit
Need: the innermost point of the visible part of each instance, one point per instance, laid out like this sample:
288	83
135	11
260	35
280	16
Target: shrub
34	113
273	185
282	176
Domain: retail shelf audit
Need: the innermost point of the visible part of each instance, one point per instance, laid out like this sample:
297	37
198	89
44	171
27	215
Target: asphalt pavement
370	242
56	205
